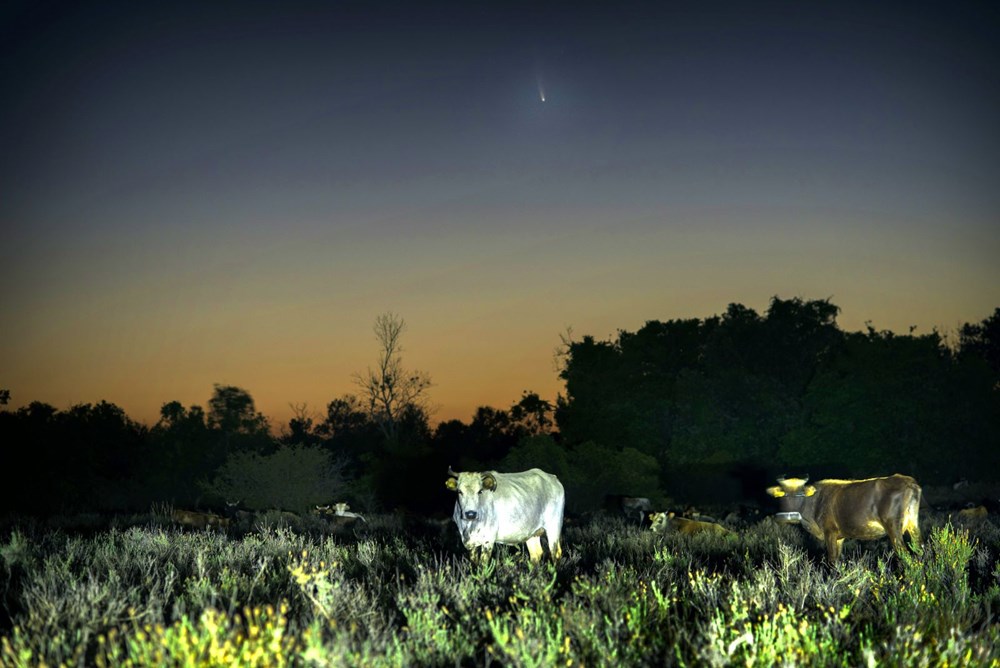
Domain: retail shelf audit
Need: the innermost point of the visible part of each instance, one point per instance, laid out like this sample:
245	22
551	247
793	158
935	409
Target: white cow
338	510
508	508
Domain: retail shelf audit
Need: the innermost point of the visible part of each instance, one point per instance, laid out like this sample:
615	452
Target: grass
385	595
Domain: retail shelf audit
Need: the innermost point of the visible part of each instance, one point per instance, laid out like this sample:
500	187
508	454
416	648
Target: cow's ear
451	483
776	491
809	490
489	482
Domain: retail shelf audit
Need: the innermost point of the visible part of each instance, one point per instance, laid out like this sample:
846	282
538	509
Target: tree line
716	405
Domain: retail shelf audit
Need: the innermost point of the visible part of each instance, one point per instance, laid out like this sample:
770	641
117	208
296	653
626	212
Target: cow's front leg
481	554
833	545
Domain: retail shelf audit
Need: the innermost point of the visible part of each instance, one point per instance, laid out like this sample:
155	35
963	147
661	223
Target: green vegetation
386	595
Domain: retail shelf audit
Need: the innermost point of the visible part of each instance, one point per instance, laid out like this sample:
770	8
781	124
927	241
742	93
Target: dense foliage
714	407
789	390
397	591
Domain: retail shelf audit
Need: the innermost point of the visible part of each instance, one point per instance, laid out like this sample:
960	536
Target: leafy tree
539	451
532	415
231	411
183	450
348	433
883	404
86	458
723	389
982	340
598	470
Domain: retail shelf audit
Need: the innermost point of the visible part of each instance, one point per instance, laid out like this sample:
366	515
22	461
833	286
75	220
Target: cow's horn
451	473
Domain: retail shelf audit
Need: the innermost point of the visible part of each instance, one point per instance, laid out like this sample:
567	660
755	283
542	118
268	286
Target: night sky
213	192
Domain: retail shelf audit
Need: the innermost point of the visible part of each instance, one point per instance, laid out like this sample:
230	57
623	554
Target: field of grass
392	592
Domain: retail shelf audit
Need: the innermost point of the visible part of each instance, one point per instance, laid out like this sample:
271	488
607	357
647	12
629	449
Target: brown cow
662	522
198	520
832	510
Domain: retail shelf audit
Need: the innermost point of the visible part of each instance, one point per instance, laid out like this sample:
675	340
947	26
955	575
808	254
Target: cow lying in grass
669	522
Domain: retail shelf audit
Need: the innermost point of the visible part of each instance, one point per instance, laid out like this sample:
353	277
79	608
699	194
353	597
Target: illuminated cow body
198	520
508	508
665	522
339	514
833	510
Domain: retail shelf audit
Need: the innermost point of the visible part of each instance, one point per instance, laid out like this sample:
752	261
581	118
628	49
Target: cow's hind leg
535	548
833	547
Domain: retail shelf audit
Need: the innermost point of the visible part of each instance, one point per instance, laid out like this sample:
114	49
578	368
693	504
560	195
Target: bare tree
389	389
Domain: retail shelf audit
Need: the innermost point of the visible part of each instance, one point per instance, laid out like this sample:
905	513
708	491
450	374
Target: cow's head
659	521
474	491
792	493
787	487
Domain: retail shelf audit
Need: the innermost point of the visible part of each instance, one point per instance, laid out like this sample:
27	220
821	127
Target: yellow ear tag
451	484
810	490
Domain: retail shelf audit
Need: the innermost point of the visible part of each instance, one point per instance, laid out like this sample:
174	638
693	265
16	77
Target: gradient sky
213	192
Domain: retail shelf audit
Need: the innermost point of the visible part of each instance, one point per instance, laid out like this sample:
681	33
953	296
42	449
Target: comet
541	89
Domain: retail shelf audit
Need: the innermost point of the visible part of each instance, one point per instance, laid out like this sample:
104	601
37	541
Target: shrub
294	478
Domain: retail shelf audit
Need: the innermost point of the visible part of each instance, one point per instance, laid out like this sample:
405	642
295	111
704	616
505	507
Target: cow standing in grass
508	508
832	510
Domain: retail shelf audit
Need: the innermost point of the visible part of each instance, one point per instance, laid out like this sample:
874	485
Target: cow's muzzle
471	514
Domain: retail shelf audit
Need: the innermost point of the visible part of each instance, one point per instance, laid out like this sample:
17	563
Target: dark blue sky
231	192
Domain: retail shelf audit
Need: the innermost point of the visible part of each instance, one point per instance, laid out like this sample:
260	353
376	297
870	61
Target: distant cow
508	508
339	513
198	520
667	522
636	507
631	507
973	513
832	510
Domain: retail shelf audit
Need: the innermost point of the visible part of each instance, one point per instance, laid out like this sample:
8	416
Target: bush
294	478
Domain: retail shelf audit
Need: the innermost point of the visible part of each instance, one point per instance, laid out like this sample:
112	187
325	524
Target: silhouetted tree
532	415
183	451
982	340
300	430
389	389
348	433
232	414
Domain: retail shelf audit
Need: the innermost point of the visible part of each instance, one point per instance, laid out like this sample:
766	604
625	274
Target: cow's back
865	509
526	502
